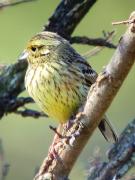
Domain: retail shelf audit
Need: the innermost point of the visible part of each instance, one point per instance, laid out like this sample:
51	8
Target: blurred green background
26	140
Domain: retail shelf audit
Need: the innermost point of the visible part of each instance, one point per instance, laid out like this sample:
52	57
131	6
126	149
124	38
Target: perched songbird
58	78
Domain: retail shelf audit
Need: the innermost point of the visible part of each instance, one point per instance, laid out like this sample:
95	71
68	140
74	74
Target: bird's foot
77	127
68	124
53	152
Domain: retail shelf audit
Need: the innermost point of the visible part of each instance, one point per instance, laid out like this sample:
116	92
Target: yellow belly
58	96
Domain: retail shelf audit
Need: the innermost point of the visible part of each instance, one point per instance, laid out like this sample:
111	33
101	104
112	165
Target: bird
58	78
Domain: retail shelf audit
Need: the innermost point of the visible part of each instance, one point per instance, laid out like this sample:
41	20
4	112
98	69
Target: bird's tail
107	130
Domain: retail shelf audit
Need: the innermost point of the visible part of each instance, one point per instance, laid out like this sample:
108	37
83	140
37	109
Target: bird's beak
23	55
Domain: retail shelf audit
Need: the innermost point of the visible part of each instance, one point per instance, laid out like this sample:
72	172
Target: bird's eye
33	49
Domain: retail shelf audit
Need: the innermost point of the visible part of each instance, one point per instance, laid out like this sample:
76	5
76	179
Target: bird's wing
85	68
90	77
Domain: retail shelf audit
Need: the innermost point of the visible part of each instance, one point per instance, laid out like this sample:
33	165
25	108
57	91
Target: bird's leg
52	151
56	131
74	118
59	135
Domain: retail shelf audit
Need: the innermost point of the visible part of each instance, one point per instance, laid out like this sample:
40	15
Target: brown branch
99	99
121	157
10	3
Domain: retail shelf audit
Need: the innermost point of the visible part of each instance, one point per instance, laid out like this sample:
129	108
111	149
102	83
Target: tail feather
107	130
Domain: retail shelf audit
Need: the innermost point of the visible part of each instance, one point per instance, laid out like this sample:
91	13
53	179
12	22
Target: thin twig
93	42
108	37
122	22
129	21
10	3
30	113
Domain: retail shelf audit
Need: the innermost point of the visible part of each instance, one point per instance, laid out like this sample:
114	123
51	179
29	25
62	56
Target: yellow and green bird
58	78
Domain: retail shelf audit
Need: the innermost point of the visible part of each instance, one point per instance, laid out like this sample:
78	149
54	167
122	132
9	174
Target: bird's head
42	47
